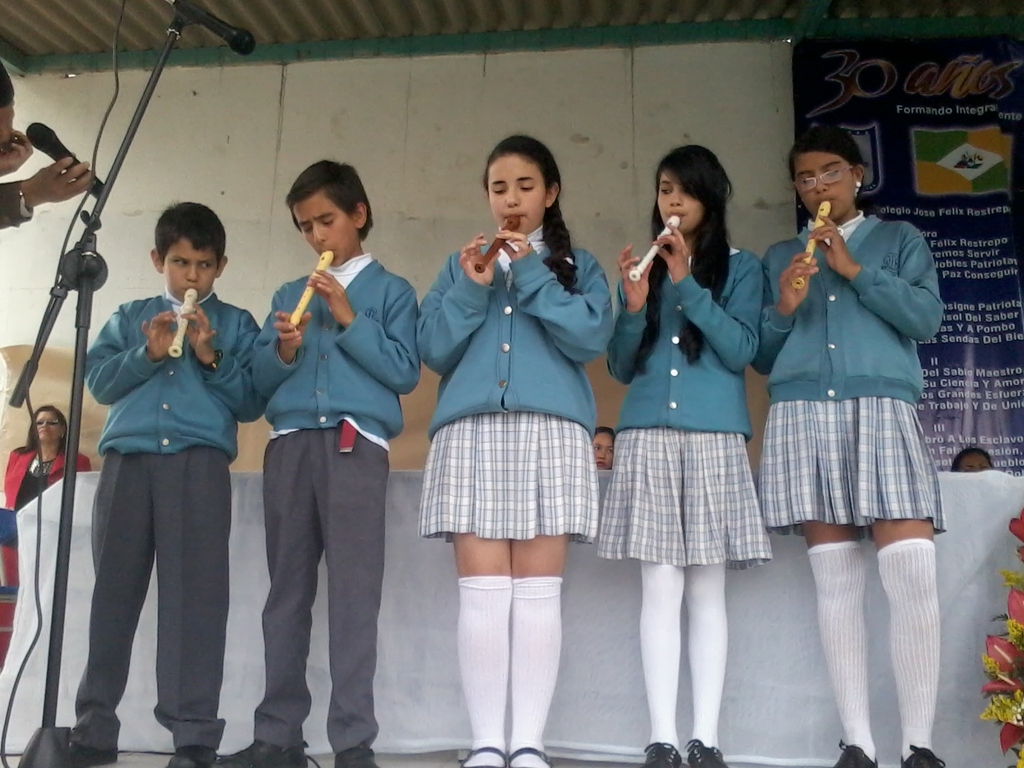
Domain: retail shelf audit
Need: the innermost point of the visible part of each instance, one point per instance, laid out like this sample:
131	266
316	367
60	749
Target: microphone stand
82	269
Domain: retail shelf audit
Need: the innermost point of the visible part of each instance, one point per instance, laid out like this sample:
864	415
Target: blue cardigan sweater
173	404
708	395
518	349
853	338
357	371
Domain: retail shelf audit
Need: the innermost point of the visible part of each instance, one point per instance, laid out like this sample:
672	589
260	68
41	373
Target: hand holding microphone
45	140
68	177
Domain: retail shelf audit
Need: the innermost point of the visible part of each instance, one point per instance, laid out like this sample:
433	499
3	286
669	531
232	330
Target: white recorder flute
823	210
325	261
188	306
637	272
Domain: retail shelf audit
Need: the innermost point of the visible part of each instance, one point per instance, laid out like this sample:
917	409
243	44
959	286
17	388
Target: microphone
43	138
239	40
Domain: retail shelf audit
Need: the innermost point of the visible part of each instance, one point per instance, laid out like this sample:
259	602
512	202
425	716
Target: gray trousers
317	502
178	508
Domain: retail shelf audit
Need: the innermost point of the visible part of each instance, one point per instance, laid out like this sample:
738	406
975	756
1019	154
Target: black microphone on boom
43	138
239	40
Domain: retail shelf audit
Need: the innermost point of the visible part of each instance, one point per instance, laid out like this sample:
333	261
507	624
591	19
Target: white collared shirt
849	227
536	241
347	272
846	230
176	305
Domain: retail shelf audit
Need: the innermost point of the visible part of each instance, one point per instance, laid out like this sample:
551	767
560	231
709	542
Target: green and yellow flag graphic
961	162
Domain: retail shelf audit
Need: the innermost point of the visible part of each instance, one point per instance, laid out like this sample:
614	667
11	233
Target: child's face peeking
327	227
515	186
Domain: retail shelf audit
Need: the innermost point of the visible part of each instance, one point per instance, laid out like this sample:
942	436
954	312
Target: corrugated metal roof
37	33
933	9
45	27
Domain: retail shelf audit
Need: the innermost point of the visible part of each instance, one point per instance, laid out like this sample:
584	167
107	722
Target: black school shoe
854	757
662	755
261	754
922	758
359	756
529	751
501	758
83	756
193	757
699	756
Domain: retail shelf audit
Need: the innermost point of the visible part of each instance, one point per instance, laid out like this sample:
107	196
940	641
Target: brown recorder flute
511	224
325	261
823	210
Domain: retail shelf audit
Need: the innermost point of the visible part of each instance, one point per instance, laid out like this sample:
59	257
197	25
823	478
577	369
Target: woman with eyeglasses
844	457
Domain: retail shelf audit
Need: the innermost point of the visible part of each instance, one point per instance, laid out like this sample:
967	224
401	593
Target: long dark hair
32	440
701	175
556	234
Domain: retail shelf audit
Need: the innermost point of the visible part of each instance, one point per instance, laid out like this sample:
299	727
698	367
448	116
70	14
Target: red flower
1015	605
1001	686
1003	652
1010	736
1017	526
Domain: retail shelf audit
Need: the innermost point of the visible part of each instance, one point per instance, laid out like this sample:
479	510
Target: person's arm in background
55	183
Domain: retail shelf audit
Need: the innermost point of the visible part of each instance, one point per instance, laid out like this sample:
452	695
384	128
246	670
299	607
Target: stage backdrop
940	123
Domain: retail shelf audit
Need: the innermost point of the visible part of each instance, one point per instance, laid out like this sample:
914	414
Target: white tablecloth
778	707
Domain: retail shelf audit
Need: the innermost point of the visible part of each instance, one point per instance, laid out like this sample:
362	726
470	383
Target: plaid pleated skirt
682	498
513	475
850	462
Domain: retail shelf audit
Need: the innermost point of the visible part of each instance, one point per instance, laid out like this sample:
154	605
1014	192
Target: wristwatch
211	367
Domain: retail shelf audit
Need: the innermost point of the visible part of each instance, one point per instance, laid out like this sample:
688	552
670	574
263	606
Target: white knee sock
709	646
484	606
662	601
839	575
536	651
907	569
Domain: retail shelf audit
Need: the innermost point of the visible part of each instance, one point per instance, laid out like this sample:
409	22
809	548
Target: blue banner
941	123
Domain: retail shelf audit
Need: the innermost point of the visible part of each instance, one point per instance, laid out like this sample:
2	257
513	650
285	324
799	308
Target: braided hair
698	171
556	235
